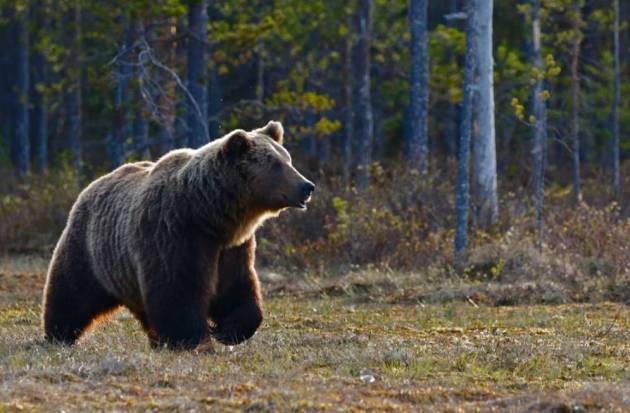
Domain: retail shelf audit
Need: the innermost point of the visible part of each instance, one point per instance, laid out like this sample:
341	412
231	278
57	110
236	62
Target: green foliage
446	48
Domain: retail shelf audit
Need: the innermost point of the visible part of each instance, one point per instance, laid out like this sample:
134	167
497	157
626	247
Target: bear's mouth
302	204
299	204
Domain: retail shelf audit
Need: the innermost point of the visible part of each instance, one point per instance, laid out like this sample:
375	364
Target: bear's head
265	165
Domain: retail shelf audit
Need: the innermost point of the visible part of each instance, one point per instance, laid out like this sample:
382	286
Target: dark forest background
452	135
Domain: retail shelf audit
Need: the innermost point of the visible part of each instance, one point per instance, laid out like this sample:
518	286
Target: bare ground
375	343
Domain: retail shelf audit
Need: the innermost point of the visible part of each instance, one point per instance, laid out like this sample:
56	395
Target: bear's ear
237	144
274	130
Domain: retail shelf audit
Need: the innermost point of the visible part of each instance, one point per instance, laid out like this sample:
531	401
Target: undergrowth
401	222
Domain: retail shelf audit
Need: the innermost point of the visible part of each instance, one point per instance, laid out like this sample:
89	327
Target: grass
328	345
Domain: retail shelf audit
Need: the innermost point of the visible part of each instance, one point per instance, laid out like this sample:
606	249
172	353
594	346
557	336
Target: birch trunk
463	189
485	158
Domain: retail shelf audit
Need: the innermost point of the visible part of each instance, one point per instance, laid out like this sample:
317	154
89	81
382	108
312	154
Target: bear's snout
304	194
308	189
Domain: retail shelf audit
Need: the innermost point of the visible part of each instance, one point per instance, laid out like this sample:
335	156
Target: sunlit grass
317	352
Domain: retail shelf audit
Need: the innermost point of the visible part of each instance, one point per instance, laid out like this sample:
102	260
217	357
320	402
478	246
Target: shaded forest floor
368	342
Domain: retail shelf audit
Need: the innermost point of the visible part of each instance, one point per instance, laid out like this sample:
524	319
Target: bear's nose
308	189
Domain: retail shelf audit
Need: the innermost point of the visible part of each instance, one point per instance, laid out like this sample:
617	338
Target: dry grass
354	345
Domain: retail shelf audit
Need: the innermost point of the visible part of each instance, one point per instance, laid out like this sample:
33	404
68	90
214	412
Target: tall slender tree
540	125
616	182
348	109
215	104
6	44
452	129
167	135
485	159
576	42
20	142
419	87
365	120
197	73
140	131
73	93
39	84
122	75
463	188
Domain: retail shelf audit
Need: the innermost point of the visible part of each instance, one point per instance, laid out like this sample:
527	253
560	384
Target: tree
463	190
540	123
347	109
419	85
485	159
577	36
215	91
120	125
365	121
615	106
20	139
73	77
39	84
215	104
140	132
197	73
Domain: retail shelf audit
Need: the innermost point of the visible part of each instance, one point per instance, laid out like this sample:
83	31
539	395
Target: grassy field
328	345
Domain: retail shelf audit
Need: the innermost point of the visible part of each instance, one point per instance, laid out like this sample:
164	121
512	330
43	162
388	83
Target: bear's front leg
237	308
176	304
176	319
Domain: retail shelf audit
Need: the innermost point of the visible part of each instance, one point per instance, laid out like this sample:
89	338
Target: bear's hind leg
73	299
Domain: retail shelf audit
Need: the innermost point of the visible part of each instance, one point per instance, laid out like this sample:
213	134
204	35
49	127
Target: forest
473	191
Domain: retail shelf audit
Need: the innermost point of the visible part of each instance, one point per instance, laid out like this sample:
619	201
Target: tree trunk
20	139
260	72
215	104
348	112
615	108
463	191
540	127
452	130
73	89
197	73
168	99
419	87
39	129
120	125
575	101
140	131
6	61
365	121
485	157
215	91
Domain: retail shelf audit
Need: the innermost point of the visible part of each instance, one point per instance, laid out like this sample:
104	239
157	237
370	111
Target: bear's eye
277	166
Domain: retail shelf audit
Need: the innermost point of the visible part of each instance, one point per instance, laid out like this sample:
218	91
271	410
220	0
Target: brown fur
174	242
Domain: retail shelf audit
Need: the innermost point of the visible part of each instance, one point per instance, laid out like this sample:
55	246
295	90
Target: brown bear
173	241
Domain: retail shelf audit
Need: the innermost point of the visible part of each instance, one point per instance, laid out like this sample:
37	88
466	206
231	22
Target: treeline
529	90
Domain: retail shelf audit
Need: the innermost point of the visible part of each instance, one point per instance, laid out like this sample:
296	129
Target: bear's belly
118	278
